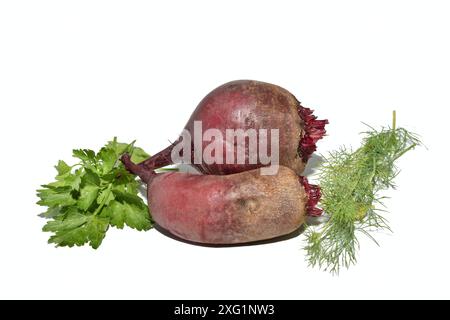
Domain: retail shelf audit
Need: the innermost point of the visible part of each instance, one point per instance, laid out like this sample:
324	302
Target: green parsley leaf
138	155
88	194
108	158
62	168
51	212
69	230
68	179
135	217
55	196
82	203
69	222
116	214
119	148
129	198
76	229
105	196
90	177
85	155
96	230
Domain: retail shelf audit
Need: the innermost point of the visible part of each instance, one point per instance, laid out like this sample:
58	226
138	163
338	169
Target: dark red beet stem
314	131
164	158
145	174
314	194
159	160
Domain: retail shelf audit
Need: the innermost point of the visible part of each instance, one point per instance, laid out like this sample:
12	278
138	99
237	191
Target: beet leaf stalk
351	182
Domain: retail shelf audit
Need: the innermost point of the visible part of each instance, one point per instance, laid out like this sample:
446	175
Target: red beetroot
247	104
227	209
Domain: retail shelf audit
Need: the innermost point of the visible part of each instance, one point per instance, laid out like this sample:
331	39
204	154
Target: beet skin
225	209
248	104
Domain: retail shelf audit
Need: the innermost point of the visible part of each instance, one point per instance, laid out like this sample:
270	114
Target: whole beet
227	209
248	104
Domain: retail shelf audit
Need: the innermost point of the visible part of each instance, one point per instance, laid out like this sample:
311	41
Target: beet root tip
314	195
314	131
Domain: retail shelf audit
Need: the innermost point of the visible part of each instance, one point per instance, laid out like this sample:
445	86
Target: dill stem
394	120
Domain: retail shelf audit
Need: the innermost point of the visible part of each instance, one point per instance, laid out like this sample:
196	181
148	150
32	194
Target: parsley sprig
90	196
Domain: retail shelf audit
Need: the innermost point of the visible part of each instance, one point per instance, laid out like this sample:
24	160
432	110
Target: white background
73	74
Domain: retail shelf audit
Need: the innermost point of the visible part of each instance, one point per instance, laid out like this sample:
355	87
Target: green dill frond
351	182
